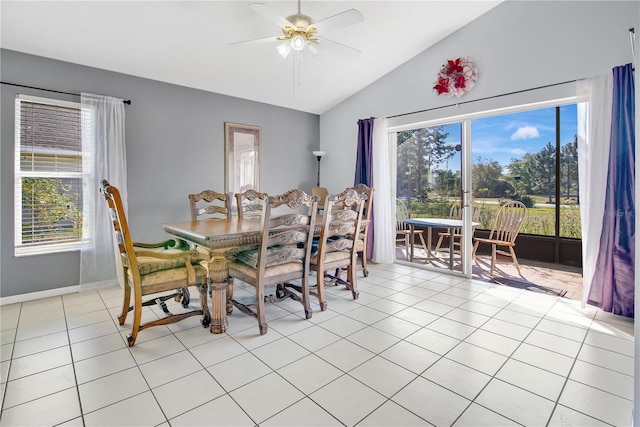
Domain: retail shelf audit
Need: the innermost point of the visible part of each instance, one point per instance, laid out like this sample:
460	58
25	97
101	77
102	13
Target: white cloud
525	132
517	152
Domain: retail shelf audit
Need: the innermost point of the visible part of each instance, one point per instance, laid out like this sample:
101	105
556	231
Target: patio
536	276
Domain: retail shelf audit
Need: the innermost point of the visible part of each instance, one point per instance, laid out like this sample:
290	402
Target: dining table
218	237
431	223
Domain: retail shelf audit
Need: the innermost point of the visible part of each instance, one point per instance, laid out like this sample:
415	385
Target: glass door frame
466	195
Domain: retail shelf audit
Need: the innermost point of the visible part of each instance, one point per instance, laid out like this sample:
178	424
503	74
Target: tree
50	206
520	171
544	171
448	182
569	166
420	152
487	174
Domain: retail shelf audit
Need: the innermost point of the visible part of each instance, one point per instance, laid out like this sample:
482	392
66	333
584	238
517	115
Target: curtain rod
457	104
127	101
632	37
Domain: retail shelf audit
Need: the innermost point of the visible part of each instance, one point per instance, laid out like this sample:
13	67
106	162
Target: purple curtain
364	166
612	287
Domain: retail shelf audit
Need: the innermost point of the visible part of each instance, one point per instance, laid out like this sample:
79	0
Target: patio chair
403	232
506	227
153	273
278	259
456	213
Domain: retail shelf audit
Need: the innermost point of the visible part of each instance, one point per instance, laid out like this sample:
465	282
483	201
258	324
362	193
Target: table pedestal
219	285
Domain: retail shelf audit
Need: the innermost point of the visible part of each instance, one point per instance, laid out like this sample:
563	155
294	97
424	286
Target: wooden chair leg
229	295
406	245
137	316
306	303
260	315
424	245
435	251
515	260
493	258
475	248
351	274
125	303
320	287
363	260
206	314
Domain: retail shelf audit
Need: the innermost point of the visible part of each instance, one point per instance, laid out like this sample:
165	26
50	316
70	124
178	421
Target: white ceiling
187	42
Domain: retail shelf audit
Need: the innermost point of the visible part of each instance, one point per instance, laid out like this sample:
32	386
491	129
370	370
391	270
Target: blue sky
508	136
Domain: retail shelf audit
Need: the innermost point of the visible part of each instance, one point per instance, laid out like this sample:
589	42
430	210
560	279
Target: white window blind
48	176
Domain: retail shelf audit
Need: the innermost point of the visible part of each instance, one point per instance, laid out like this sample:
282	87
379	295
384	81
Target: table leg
218	273
411	236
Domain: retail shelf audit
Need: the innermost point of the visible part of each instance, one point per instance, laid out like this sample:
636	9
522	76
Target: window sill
22	251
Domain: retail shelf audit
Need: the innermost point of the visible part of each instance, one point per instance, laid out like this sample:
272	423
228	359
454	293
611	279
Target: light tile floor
417	348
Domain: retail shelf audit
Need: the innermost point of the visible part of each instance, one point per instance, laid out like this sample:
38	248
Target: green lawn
540	218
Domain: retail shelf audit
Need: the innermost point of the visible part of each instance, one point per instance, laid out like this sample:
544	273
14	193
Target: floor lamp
319	155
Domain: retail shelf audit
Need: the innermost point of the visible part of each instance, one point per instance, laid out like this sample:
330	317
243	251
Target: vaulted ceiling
188	42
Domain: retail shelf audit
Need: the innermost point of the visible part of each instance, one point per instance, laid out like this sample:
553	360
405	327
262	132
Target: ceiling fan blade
256	41
265	11
342	19
339	48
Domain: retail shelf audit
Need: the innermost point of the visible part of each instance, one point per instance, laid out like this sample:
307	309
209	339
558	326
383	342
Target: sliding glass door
431	185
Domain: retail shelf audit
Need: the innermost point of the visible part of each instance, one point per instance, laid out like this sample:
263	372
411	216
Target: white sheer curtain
103	144
595	96
384	218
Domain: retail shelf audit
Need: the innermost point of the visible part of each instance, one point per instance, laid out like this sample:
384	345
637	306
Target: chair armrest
188	256
192	255
170	243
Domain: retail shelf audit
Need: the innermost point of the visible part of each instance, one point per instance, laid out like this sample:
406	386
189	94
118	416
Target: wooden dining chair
322	193
282	254
367	210
456	213
506	227
403	231
337	246
250	203
152	273
209	204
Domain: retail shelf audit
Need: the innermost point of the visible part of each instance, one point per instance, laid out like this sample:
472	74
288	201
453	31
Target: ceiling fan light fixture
284	49
298	42
314	48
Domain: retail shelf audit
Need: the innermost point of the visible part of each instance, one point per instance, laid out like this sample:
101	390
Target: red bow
454	67
442	86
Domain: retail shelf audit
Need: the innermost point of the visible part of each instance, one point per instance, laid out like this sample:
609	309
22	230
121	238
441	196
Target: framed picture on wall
242	150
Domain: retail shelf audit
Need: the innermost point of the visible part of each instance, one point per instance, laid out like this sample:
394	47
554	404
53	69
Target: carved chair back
147	271
321	193
250	203
282	254
209	204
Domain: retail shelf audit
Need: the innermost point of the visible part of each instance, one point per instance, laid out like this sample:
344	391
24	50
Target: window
429	169
530	156
48	176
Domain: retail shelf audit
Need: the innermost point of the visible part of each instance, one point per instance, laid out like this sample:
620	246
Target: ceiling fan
300	33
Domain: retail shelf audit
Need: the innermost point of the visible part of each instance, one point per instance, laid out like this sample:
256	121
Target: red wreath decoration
456	77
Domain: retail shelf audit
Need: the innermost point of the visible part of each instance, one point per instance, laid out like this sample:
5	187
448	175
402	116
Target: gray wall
175	146
517	45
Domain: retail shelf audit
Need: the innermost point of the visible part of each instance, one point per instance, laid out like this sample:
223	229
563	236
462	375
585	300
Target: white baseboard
38	295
